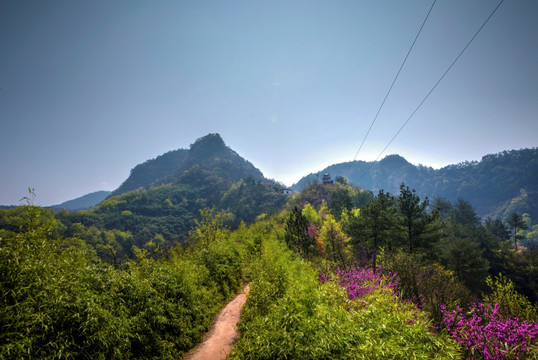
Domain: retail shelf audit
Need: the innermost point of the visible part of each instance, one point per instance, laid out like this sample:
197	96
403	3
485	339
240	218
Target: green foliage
248	198
511	302
467	246
218	254
337	197
420	227
53	303
427	284
464	257
497	228
289	315
209	229
375	226
341	180
335	241
517	224
298	236
311	215
522	202
492	185
171	210
60	301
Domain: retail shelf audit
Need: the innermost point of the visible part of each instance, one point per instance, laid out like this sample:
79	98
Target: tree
377	221
341	180
464	214
497	228
445	207
464	257
334	240
311	215
512	303
516	224
420	228
341	198
297	236
208	229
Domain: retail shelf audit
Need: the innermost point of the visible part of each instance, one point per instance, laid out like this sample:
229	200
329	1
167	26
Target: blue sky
90	89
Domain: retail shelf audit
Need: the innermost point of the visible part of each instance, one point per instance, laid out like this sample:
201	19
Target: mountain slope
149	172
489	185
209	153
83	202
170	190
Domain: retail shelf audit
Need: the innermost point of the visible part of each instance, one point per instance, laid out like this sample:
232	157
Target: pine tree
420	228
516	224
377	219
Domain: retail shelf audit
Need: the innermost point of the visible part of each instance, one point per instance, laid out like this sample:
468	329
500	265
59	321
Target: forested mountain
83	202
162	197
208	153
496	186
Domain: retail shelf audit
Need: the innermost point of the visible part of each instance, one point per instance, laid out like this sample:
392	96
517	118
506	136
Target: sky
90	89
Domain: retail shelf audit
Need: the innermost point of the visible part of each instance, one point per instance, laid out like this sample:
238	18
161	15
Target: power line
435	86
394	81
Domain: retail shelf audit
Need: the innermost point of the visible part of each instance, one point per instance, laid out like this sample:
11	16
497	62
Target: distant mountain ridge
494	185
83	202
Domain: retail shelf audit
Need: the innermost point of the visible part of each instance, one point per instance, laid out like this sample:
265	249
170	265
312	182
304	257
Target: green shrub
59	301
419	282
290	315
53	300
511	302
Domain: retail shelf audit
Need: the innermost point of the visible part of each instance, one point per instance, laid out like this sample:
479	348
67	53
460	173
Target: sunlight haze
90	89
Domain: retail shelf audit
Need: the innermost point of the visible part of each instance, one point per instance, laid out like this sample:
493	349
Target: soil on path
220	338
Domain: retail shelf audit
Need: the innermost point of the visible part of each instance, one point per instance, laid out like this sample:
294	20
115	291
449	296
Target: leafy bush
54	303
511	303
420	282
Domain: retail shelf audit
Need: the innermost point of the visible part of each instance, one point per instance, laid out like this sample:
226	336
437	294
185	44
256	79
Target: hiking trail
223	333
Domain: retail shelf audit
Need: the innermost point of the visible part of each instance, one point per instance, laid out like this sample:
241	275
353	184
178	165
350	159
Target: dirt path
222	334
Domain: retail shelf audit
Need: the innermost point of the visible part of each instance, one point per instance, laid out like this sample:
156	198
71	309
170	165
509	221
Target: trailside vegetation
438	258
60	301
293	313
339	273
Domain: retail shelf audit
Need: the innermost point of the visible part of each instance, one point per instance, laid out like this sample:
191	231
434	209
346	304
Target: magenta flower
485	334
359	282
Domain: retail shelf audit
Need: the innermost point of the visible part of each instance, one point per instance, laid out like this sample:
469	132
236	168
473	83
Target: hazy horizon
88	90
288	184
